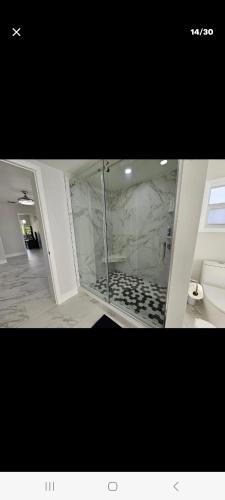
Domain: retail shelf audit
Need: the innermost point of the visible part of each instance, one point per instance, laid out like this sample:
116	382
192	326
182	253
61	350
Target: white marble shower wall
87	208
137	225
2	253
138	219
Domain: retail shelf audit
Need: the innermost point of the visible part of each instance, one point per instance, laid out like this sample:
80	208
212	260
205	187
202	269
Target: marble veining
87	211
139	220
137	225
23	281
26	302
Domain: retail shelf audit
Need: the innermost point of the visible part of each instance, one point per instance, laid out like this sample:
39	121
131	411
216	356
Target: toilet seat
202	323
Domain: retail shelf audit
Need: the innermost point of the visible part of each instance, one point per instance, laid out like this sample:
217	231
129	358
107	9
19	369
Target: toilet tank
213	273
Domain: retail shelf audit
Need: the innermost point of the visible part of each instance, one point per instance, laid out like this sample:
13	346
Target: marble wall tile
139	220
137	224
87	209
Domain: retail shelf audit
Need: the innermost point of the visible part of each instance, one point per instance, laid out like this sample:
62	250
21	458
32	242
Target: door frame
176	211
36	170
72	229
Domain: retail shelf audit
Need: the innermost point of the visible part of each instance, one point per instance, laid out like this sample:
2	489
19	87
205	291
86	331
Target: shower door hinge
106	164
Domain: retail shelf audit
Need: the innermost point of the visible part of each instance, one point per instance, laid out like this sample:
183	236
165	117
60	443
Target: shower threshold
143	299
118	312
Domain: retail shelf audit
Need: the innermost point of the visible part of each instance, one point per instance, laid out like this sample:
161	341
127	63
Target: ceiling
12	181
116	178
70	166
144	169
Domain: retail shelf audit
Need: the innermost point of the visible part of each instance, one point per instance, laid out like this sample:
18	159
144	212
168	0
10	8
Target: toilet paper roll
191	290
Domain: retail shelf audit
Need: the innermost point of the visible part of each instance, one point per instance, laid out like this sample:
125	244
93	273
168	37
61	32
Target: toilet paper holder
196	290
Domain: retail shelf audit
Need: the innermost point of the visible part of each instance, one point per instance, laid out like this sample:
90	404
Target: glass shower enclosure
123	215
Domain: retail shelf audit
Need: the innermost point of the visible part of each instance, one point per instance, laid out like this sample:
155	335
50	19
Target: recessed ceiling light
128	171
163	162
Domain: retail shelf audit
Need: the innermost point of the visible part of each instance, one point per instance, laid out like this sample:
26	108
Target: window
217	195
216	216
213	209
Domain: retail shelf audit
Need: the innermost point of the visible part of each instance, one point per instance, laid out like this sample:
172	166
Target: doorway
30	229
25	276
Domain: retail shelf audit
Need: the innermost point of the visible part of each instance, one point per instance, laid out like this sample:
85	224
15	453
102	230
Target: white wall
186	231
28	209
210	245
12	237
56	204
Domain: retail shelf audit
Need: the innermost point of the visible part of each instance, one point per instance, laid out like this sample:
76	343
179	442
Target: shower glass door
123	213
88	208
140	202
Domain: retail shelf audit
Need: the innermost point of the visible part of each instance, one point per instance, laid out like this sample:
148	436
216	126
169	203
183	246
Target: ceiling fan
23	200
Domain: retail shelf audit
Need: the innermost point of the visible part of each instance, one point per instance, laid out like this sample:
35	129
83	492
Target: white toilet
213	283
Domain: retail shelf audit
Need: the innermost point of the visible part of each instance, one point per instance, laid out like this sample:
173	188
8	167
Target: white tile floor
191	313
26	302
78	312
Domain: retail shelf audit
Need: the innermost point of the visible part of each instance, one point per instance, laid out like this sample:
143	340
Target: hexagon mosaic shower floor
145	299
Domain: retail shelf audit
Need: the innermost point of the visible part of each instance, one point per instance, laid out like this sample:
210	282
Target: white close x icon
16	32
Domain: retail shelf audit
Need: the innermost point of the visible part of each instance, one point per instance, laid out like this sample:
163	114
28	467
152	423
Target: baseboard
68	295
15	254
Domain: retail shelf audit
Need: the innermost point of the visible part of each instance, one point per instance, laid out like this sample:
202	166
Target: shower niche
123	215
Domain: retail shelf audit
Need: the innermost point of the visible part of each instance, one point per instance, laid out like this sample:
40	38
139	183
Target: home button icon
112	486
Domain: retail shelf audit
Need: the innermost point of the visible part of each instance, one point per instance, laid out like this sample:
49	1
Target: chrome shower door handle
164	250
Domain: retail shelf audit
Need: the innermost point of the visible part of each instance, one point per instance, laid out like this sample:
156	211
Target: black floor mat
105	322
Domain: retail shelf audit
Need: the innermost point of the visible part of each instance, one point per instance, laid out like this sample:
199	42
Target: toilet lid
202	323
